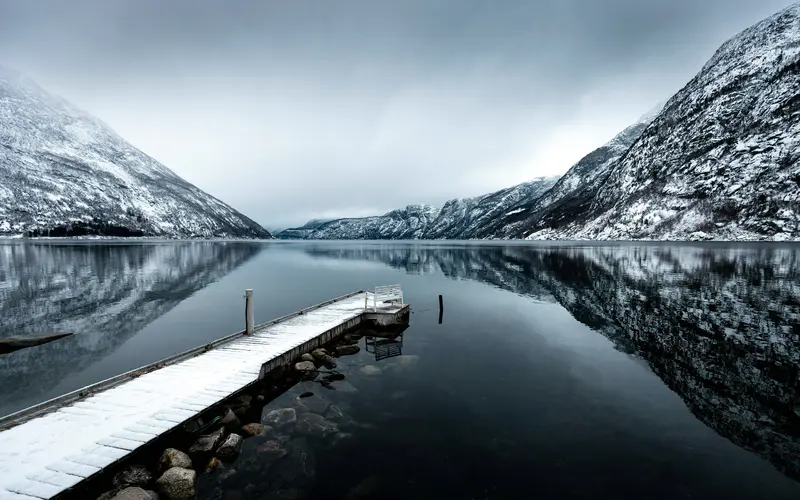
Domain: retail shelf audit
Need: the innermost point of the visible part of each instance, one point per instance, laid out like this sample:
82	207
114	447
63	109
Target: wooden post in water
441	309
248	311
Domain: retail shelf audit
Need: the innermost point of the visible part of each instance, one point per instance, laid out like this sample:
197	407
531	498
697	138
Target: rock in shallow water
229	450
207	444
282	418
319	353
349	339
253	430
299	465
328	362
340	437
305	366
136	493
271	450
213	465
230	421
135	475
283	494
347	350
343	386
365	489
178	484
174	458
314	404
307	357
311	424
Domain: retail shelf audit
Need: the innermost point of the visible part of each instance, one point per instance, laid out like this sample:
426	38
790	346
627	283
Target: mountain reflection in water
719	325
104	293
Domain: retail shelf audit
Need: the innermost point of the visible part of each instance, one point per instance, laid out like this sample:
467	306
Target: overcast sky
295	109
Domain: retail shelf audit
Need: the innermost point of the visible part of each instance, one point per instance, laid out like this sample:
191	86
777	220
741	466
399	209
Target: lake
558	371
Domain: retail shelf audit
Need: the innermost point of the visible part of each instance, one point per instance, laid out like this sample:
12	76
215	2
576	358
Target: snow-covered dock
51	447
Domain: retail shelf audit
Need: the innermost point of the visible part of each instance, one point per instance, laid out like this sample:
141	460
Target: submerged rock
242	400
371	370
349	339
229	450
340	437
213	465
343	386
366	488
299	465
347	350
315	404
178	484
399	395
328	362
174	458
136	493
282	418
271	450
253	430
311	424
334	413
135	475
305	395
305	366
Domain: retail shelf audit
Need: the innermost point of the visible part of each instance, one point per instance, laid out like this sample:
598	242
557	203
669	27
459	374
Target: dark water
629	371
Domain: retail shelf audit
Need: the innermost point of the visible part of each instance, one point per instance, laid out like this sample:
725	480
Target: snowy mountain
721	161
577	187
459	218
718	325
404	224
65	173
299	233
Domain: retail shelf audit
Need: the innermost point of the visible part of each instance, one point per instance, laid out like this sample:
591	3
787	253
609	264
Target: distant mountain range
720	161
65	173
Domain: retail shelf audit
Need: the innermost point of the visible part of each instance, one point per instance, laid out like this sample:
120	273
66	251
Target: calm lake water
600	371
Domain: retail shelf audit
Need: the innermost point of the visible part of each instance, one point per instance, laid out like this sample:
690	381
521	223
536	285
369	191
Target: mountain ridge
719	161
64	173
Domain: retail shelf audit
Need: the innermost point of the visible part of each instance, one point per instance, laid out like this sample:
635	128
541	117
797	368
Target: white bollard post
248	311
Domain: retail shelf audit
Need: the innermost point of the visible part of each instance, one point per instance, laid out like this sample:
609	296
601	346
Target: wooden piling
441	309
248	311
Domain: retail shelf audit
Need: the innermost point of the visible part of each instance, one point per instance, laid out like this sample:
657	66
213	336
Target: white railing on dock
387	293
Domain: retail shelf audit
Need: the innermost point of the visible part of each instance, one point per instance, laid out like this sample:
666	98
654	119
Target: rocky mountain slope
721	161
459	218
578	186
299	233
718	325
65	173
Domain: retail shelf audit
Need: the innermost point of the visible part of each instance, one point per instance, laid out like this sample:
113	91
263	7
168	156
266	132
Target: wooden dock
51	447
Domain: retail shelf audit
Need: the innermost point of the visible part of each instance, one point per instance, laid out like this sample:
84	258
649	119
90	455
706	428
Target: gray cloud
290	110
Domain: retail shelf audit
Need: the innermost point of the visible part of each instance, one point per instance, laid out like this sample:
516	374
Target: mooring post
441	309
366	300
248	311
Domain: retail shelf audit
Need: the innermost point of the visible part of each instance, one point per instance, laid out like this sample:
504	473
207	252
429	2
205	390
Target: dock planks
58	446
